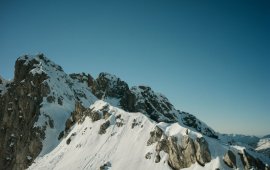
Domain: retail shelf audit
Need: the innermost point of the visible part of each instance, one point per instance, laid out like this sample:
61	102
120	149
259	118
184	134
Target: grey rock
103	127
107	85
148	155
105	166
183	153
19	110
50	99
250	162
202	151
83	78
155	136
191	121
230	159
157	159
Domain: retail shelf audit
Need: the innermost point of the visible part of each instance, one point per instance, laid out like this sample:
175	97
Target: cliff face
33	107
20	141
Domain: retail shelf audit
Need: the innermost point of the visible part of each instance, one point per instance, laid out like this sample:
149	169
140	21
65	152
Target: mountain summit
52	120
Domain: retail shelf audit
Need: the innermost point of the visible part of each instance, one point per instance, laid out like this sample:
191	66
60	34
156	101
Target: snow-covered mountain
52	120
263	146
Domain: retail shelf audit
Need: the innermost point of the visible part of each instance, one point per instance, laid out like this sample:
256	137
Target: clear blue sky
210	58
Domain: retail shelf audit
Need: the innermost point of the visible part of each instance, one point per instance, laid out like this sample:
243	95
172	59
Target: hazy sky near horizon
210	58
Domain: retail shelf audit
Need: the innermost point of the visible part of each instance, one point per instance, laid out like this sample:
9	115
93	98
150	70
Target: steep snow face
60	102
123	144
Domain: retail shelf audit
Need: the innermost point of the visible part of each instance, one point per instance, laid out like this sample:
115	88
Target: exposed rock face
76	116
143	99
20	141
153	104
250	162
83	78
108	86
106	166
181	156
183	153
191	121
103	127
155	136
79	114
40	96
202	151
230	159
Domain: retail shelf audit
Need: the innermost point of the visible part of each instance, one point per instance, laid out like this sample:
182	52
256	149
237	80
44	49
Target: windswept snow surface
123	147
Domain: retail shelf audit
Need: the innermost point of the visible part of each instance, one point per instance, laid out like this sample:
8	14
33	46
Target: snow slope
123	147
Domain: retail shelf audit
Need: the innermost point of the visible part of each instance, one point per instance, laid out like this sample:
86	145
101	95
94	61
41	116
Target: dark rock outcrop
155	136
110	86
20	141
153	104
103	127
106	166
230	159
143	99
202	151
83	78
191	121
183	153
250	162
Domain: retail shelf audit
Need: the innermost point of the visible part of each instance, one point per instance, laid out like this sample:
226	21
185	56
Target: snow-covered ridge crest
123	140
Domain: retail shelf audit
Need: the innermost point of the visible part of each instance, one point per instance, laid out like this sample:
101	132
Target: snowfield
122	147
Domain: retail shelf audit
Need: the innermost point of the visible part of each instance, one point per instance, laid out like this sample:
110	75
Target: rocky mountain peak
45	111
33	64
33	108
156	105
143	99
108	85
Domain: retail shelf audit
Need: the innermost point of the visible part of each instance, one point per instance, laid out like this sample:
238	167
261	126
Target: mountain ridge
43	105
